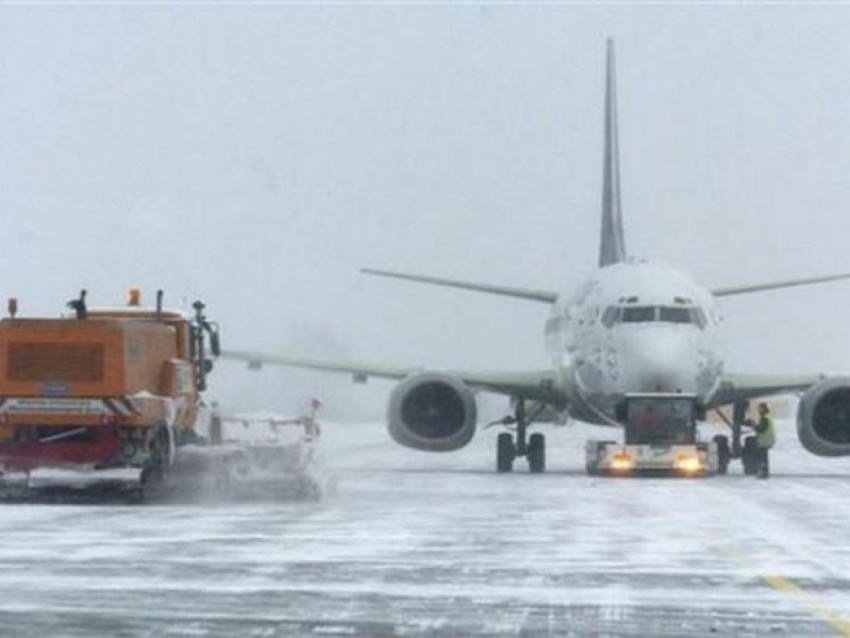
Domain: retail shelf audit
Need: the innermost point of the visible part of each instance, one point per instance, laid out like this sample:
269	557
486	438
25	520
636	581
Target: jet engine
432	411
823	418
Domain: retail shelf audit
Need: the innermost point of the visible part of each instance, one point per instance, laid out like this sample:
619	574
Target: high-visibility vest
767	436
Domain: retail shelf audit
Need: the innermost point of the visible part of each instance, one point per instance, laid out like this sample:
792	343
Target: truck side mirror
215	343
193	342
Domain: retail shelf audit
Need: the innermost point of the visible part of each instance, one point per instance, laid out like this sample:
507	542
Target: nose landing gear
510	446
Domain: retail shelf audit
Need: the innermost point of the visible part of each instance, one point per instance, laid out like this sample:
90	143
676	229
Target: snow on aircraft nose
658	361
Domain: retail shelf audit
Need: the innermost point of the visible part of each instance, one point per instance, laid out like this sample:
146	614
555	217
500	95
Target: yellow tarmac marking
789	588
827	614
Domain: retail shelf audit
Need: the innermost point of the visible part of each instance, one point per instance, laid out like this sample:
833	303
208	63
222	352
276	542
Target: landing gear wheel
723	453
505	452
750	456
536	453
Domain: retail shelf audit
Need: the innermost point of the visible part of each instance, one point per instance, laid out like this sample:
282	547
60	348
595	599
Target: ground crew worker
765	438
311	426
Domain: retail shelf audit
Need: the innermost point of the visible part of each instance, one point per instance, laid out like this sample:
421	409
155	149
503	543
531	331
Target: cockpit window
611	316
699	318
675	315
638	314
688	315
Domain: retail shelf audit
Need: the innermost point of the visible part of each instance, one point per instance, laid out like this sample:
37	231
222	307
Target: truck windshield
660	421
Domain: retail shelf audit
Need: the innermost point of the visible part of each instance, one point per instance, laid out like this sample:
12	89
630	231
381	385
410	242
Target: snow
414	543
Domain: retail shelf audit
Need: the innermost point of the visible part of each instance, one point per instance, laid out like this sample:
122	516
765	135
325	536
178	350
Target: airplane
632	327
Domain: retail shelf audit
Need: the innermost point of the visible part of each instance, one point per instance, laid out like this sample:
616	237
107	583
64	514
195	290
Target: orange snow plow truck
100	397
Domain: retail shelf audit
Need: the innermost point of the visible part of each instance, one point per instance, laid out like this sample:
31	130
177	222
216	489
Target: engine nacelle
823	418
432	411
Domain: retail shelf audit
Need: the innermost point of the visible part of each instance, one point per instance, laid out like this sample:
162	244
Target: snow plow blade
252	457
246	472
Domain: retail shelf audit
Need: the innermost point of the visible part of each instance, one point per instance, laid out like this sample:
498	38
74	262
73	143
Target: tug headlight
688	463
622	462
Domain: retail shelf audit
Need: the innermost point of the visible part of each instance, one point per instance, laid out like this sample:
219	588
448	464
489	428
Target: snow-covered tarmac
429	544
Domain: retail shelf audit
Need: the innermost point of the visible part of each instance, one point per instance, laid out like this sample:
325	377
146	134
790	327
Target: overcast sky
257	156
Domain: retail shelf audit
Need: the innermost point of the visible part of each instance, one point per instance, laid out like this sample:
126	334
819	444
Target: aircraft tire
723	453
749	456
537	453
505	453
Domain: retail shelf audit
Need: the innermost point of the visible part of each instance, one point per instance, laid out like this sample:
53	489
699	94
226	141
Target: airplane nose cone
660	362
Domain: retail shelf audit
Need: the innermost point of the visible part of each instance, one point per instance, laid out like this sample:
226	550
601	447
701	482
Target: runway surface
414	544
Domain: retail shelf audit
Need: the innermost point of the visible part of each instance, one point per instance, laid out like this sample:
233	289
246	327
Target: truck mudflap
609	458
49	462
83	447
73	484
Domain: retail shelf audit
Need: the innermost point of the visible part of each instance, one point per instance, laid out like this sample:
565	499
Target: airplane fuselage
633	327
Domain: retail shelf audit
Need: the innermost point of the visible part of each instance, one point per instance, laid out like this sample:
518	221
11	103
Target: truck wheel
155	470
505	452
750	456
537	453
723	453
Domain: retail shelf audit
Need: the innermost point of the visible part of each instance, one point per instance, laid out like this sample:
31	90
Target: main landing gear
739	447
510	446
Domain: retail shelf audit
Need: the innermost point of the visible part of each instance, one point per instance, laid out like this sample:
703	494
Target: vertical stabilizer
612	246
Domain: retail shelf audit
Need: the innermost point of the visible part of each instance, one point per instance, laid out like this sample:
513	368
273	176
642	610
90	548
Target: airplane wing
358	370
744	387
775	285
538	385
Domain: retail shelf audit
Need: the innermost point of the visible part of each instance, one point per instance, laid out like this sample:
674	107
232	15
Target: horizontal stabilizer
788	283
544	296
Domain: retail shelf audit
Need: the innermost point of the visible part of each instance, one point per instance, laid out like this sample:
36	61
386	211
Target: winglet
612	246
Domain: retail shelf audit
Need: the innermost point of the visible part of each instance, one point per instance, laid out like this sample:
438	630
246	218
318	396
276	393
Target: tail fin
612	246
